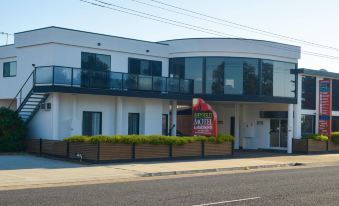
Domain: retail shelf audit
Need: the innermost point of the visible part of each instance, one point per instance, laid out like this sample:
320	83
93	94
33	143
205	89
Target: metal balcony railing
108	80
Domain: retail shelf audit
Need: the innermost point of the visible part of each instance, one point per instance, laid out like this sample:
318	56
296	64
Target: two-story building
66	82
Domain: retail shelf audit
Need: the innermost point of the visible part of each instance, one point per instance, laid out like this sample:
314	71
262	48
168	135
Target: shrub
12	131
318	137
335	137
147	139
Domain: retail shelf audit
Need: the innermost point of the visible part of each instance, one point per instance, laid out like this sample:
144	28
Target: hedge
318	137
335	137
148	139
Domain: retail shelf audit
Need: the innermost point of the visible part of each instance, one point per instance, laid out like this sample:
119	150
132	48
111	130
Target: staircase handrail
20	91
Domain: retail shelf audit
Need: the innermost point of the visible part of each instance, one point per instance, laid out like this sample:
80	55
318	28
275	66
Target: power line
237	25
192	27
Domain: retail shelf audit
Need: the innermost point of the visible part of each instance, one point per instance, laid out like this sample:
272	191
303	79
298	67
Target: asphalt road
311	186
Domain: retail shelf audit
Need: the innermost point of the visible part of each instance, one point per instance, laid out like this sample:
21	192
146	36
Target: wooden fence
108	152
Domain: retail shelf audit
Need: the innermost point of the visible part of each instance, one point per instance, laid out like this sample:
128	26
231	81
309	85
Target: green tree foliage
12	131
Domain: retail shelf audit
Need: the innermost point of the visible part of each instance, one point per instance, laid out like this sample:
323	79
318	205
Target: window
307	124
335	95
177	68
133	123
308	94
335	123
233	76
144	67
91	123
9	69
251	80
194	70
215	67
283	80
267	78
165	124
98	62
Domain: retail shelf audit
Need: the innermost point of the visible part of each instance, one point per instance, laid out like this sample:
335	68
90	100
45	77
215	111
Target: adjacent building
66	82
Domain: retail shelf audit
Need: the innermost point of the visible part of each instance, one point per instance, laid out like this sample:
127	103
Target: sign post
325	107
205	119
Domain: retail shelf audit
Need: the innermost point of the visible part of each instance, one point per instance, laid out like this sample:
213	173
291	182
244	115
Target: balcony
111	82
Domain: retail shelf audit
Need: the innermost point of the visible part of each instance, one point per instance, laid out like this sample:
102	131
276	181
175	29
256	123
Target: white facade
63	47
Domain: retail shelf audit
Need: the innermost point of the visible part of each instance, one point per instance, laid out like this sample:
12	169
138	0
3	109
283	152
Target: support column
236	126
174	118
55	116
118	115
297	111
74	128
290	128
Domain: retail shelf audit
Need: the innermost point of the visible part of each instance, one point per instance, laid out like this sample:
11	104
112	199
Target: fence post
133	151
202	148
67	149
232	152
170	151
98	151
40	146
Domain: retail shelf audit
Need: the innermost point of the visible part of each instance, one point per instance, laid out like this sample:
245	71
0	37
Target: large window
233	76
165	124
335	123
335	95
267	78
144	67
307	124
308	94
251	76
215	67
9	69
91	123
236	75
133	123
98	62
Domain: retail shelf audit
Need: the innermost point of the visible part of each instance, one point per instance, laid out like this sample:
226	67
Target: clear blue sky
310	20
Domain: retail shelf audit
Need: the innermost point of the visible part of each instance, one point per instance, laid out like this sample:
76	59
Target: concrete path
27	171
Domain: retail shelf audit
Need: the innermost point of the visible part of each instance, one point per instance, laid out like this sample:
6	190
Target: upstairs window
9	69
144	67
308	95
335	95
98	62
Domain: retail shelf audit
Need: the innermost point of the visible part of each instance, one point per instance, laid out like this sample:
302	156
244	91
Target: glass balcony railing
75	77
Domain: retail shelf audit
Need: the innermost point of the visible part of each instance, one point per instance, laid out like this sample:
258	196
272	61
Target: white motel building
65	82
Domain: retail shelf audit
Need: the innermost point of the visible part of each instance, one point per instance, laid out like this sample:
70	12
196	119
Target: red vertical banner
205	119
325	107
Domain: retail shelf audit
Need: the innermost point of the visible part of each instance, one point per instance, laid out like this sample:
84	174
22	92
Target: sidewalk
26	171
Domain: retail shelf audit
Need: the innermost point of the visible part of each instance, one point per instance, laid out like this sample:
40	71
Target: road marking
229	201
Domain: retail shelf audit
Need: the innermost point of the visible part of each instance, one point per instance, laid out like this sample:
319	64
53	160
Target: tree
12	131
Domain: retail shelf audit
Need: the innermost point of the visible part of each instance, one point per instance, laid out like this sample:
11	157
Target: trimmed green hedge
148	139
318	137
335	137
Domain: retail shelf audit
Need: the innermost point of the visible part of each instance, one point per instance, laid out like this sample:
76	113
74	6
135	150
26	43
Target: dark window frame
95	59
335	95
165	130
307	93
128	126
83	122
313	124
151	66
3	69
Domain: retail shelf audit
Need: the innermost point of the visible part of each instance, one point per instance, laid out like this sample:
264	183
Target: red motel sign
205	119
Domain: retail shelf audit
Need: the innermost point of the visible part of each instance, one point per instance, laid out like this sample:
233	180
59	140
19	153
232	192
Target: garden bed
128	148
309	146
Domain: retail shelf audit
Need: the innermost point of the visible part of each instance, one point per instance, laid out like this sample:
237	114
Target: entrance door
278	133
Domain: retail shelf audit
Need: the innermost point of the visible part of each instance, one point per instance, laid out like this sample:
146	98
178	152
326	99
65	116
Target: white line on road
229	201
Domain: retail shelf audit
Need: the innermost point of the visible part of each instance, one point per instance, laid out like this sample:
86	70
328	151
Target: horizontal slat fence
108	152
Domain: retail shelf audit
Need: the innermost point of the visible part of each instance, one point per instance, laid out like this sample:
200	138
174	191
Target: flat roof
322	73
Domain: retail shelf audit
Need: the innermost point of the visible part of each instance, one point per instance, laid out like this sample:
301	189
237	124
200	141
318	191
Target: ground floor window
91	123
335	124
307	124
165	124
133	123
